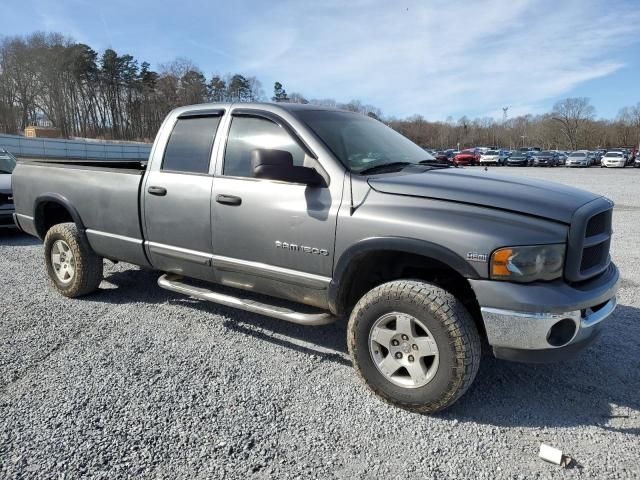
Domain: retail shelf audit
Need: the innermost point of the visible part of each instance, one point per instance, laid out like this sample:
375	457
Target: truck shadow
597	387
327	342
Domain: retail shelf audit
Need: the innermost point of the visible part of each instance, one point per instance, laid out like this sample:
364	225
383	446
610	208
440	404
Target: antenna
505	114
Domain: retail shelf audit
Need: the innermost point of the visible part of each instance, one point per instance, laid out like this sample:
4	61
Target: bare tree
572	115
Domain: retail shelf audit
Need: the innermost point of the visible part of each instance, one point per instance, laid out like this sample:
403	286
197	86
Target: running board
175	283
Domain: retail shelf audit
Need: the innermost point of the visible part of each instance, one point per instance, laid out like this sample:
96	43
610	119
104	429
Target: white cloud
437	58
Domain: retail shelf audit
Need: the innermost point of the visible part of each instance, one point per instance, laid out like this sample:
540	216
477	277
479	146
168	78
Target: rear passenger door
177	196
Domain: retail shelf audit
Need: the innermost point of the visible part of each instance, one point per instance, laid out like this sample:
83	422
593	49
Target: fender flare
61	200
423	248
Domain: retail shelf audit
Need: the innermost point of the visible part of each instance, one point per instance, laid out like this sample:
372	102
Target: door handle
160	191
228	200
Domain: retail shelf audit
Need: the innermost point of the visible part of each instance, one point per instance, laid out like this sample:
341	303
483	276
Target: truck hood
477	187
5	183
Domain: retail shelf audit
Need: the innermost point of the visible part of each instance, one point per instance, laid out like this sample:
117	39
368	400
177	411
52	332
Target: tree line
47	78
571	125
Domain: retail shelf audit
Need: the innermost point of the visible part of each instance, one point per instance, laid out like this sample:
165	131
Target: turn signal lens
500	261
527	263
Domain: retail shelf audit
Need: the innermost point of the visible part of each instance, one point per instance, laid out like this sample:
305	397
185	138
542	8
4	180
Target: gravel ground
137	381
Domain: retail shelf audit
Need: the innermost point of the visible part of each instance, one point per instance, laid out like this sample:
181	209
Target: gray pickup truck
338	213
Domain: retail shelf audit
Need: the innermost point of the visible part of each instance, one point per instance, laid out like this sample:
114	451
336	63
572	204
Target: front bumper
614	164
521	320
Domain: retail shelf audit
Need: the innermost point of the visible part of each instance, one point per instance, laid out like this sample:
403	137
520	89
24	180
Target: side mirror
278	165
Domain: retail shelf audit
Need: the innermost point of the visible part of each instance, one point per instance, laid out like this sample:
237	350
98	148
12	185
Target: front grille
598	224
591	256
589	241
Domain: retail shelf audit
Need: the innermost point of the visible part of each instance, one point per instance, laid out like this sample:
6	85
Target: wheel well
49	214
375	268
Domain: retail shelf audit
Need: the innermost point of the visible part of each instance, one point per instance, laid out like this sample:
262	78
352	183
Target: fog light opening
562	332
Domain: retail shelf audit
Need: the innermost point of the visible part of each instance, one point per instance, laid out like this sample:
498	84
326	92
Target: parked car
494	157
252	196
443	157
597	156
613	159
636	162
467	157
520	158
562	157
580	158
625	153
545	159
7	165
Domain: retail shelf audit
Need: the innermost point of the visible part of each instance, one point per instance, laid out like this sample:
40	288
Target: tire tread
457	320
89	266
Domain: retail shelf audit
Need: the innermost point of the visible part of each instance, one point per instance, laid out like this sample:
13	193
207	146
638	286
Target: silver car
579	158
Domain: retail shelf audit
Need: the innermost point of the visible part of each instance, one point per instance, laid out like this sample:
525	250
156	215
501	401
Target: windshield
360	142
578	154
467	152
613	154
492	152
7	162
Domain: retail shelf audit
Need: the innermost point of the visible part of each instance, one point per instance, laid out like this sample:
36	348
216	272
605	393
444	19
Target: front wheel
73	267
414	345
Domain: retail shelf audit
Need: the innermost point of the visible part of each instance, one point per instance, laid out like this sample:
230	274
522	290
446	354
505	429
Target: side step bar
175	283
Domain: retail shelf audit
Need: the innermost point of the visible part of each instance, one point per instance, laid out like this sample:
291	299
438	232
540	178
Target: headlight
527	264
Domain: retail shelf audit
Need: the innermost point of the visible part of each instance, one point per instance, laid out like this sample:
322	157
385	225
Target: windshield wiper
432	162
385	166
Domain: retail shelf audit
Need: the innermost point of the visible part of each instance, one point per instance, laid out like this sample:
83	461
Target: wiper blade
384	166
434	163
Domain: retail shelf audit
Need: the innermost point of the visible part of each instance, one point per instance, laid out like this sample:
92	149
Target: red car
467	157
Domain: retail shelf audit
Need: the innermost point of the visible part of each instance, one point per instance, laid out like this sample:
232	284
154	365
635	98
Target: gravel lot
137	381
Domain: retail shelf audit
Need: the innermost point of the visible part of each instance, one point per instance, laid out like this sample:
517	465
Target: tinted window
189	146
250	133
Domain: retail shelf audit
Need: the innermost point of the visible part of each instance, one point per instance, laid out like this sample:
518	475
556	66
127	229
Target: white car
613	159
493	157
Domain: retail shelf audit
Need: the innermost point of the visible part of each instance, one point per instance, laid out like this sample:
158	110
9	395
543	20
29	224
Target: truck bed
105	195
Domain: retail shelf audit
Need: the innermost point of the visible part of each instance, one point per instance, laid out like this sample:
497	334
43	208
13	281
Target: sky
437	59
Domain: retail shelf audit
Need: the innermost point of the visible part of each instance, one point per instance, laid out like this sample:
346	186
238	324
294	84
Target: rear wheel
414	345
73	267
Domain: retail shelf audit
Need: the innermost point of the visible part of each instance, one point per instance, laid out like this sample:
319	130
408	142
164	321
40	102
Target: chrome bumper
530	331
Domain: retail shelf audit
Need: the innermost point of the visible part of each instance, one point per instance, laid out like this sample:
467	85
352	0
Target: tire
78	270
439	319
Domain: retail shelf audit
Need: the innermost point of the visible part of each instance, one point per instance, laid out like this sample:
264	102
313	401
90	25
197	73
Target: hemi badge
477	257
